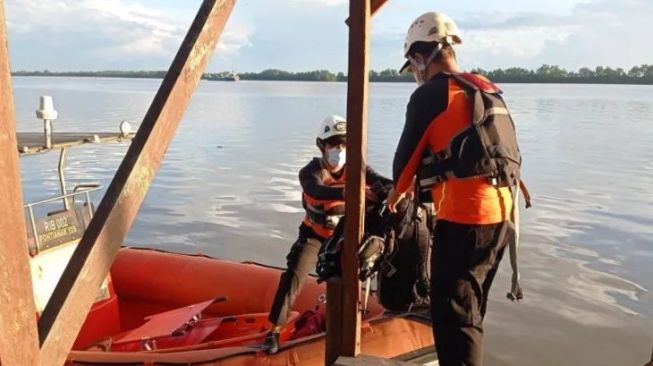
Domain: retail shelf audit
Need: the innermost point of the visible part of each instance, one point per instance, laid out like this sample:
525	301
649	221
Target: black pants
302	259
464	262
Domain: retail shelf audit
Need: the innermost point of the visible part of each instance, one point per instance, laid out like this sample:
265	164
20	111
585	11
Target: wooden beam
18	337
357	109
376	5
357	102
365	360
91	261
333	340
343	305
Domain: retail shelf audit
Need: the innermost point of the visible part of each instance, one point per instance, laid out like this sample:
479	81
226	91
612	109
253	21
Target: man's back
438	111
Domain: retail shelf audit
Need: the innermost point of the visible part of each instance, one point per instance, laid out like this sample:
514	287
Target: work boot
271	343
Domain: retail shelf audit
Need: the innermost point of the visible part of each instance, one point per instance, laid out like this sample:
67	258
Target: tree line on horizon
642	74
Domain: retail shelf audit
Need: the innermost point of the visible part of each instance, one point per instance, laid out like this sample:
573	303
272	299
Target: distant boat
225	77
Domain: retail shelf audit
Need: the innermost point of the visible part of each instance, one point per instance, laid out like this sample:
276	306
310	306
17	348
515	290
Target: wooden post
376	5
91	261
18	338
365	360
333	340
357	107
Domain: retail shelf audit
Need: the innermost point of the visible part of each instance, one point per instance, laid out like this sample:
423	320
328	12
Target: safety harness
487	148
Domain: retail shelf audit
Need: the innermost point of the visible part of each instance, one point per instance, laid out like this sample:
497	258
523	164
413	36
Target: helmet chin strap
421	67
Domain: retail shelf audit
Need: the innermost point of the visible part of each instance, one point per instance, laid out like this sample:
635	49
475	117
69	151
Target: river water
228	187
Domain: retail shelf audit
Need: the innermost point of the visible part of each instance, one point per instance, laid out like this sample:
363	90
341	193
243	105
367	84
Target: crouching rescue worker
460	142
323	184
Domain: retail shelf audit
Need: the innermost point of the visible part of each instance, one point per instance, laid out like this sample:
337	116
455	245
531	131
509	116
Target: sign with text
58	228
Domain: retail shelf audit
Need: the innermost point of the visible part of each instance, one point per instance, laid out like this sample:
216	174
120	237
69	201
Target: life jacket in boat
487	148
323	215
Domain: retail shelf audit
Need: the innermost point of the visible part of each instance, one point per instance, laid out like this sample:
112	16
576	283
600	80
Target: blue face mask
336	158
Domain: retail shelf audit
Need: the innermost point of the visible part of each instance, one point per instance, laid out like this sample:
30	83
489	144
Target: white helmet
431	27
332	126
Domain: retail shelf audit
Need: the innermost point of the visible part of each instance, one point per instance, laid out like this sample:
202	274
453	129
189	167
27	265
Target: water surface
228	187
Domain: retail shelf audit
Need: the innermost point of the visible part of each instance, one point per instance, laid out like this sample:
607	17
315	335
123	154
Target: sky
300	35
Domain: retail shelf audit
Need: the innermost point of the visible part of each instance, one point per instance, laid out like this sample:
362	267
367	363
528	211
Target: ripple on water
228	184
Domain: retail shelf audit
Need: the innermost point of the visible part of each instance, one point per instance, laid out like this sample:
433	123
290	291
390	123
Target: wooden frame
63	316
73	297
343	306
18	337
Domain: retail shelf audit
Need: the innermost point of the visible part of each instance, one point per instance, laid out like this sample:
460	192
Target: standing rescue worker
323	184
472	208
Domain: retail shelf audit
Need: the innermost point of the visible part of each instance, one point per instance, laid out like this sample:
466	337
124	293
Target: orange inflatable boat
169	308
157	308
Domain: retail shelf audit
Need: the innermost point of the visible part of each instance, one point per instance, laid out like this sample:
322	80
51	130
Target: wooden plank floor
366	360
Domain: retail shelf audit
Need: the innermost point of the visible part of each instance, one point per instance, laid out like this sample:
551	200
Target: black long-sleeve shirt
321	185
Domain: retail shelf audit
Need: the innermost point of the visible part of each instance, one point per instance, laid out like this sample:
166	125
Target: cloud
110	33
498	21
294	35
600	32
131	26
234	39
320	2
597	33
606	33
504	47
310	34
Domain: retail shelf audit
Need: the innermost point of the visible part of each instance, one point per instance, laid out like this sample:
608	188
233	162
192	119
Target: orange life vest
323	215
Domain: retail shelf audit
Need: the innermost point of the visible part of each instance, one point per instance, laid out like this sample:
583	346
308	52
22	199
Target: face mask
418	72
336	158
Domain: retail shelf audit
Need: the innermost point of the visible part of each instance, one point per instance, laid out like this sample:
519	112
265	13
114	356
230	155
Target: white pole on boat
62	178
47	113
48	133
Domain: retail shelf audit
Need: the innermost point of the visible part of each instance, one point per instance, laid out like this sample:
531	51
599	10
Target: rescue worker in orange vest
323	184
470	213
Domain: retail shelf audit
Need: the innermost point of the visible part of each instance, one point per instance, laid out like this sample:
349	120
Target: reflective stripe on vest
323	215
